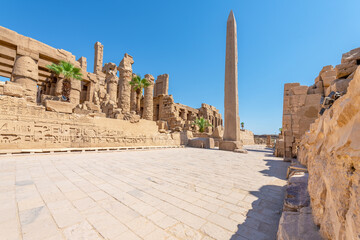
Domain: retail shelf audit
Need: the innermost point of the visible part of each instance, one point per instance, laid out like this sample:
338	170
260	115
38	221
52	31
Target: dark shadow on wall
263	219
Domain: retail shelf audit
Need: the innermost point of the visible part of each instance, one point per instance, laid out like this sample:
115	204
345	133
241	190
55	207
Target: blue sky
279	41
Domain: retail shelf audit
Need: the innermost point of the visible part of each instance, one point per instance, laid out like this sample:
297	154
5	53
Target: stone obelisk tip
231	16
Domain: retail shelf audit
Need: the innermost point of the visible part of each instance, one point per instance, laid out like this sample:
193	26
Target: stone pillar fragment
148	112
161	85
25	73
83	64
125	69
75	91
133	98
231	103
111	79
98	60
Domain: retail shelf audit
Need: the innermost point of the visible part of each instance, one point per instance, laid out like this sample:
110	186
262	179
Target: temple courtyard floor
183	193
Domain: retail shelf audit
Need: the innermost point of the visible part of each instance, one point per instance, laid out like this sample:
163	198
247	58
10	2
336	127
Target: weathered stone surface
247	137
71	130
161	85
229	145
339	85
331	151
296	194
345	69
13	89
111	79
58	106
25	73
98	60
297	226
125	69
201	143
299	90
351	55
148	112
328	77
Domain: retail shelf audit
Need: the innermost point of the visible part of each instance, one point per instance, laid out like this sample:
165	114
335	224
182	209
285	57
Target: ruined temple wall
24	126
247	137
331	152
299	111
302	103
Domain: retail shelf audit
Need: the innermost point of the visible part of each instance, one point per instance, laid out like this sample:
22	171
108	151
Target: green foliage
202	123
66	69
139	83
242	125
280	129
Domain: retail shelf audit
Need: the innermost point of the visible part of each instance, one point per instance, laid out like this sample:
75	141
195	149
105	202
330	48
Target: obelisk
231	139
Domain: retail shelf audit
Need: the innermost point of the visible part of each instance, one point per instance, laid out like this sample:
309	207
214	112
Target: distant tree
69	72
242	125
280	129
202	123
138	84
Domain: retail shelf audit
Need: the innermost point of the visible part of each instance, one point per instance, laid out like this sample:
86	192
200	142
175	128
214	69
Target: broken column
231	140
111	79
161	85
125	69
98	60
148	112
25	73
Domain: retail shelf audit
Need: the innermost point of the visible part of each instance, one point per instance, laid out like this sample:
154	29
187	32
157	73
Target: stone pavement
184	193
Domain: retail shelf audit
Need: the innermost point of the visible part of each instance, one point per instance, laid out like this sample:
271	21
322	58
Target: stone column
148	112
133	98
125	69
231	103
111	79
98	60
75	91
25	73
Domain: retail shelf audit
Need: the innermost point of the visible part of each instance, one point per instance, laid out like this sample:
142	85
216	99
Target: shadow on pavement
263	219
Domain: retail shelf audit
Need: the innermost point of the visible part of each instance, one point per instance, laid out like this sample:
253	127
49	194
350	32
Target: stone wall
247	137
24	125
331	152
302	104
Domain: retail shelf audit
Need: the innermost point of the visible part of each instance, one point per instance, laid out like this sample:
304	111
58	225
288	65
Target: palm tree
202	123
69	72
138	84
242	125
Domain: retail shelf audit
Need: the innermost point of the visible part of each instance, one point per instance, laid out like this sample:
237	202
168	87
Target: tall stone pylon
231	139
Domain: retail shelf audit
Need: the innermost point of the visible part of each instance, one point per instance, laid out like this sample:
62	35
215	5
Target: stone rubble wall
331	152
302	103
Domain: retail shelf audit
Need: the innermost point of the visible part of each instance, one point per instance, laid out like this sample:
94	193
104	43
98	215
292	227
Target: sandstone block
345	69
201	143
230	145
340	85
328	77
13	89
351	55
58	106
297	226
300	90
